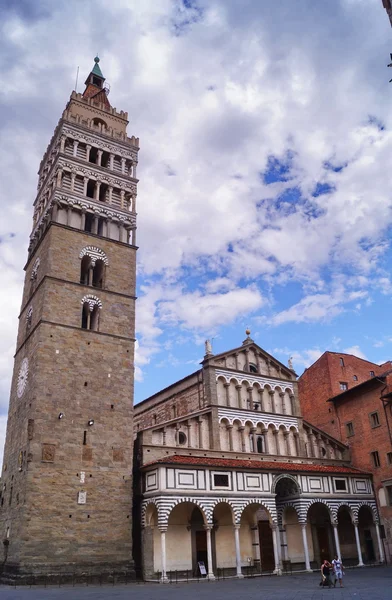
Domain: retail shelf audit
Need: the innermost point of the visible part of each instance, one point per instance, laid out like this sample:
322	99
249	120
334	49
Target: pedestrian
326	568
338	570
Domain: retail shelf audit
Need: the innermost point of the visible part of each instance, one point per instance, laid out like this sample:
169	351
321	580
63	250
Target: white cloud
356	351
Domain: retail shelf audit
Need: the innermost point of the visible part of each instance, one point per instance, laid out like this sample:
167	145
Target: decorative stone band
87	170
92	301
100	143
35	268
95	254
165	505
302	506
129	220
252	379
233	414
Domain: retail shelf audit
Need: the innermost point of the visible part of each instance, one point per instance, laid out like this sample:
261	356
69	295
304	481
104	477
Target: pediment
251	358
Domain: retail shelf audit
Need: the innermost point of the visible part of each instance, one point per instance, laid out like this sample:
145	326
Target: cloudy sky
265	168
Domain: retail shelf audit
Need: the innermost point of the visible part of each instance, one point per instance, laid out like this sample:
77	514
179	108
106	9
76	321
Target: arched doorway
346	532
319	518
186	540
256	537
223	543
367	534
290	535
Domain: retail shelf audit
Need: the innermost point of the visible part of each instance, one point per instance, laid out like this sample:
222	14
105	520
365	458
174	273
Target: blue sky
265	188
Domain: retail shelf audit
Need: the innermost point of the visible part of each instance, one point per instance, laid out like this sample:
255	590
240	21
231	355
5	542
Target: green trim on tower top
96	69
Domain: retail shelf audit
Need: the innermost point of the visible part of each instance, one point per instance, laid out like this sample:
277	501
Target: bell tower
66	497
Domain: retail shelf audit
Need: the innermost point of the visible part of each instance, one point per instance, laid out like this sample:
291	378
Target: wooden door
266	546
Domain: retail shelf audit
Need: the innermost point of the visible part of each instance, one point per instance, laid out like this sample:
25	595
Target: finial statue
208	347
247	331
290	363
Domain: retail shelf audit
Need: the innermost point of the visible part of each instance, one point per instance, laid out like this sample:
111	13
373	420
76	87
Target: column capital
274	526
162	528
271	392
208	527
229	426
237	526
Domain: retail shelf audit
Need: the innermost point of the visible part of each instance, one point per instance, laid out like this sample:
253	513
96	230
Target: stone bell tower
66	497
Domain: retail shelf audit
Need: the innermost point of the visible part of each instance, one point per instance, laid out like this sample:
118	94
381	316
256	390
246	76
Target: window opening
252	368
85	315
343	386
98	273
102	192
88	224
84	438
389	458
101	221
374	419
90	188
341	362
221	480
105	159
181	438
93	157
350	428
389	494
376	458
355	378
94	319
340	485
85	266
260	444
371	373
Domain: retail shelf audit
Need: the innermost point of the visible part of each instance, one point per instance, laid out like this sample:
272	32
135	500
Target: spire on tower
95	85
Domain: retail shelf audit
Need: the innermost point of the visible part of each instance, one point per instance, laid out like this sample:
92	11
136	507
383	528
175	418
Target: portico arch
320	519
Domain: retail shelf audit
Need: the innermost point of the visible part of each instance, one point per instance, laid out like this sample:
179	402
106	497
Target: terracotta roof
252	464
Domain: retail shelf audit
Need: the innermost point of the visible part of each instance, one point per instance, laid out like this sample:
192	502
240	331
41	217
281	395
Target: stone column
360	560
83	219
238	388
164	436
189	434
200	426
99	161
283	536
250	397
337	543
85	182
110	194
210	574
69	211
95	224
272	395
96	190
230	430
296	440
163	556
261	402
59	178
75	147
122	194
88	150
237	550
62	143
276	436
123	166
281	394
227	393
236	360
111	161
380	548
306	548
258	362
247	360
277	569
265	436
254	438
73	176
292	403
134	169
241	429
286	435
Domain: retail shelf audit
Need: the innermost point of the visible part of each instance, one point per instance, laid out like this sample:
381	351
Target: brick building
229	474
351	399
66	477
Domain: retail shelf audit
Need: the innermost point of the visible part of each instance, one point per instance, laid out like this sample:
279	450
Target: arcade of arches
178	535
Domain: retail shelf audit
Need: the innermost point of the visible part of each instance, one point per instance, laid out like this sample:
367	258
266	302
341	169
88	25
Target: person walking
338	570
326	568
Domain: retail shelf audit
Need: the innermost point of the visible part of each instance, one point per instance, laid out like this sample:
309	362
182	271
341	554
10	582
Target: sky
265	186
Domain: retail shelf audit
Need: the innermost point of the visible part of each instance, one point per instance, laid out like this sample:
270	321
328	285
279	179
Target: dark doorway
266	546
323	543
201	547
369	547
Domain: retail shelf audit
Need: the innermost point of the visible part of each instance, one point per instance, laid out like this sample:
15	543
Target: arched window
252	368
91	306
260	444
93	266
85	269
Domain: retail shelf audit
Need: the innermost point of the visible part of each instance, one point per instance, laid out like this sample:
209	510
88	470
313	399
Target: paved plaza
359	584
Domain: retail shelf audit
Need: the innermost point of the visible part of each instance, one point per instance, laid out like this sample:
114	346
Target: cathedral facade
66	478
230	476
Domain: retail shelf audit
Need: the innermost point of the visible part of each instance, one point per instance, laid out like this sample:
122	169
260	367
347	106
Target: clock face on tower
22	377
